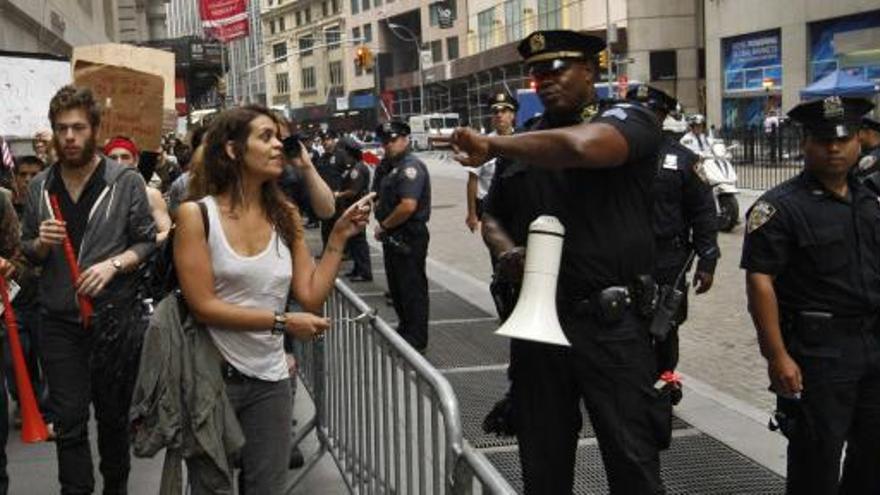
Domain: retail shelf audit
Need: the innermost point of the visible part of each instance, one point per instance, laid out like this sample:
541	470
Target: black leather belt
231	373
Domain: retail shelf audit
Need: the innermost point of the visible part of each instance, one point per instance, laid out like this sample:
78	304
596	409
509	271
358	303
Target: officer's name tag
670	162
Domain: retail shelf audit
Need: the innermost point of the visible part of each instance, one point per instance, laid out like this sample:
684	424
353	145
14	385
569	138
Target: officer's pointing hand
785	375
471	148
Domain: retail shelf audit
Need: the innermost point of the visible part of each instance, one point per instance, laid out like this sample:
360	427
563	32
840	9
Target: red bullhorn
33	428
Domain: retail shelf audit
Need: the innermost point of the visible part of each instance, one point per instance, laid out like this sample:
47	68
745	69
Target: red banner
224	20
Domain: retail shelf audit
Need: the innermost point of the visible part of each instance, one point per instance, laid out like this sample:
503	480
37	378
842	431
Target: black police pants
360	254
667	351
72	387
611	369
408	283
840	403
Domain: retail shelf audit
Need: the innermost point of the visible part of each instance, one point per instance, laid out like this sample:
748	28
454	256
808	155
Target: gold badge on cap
537	42
832	108
499	97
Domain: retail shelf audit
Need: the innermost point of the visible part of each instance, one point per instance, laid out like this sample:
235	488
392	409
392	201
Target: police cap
652	97
555	48
351	146
871	123
831	117
503	100
390	130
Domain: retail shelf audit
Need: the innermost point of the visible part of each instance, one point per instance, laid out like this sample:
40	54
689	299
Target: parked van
424	128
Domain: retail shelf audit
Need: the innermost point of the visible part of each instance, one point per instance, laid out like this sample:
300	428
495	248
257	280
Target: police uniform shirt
824	251
607	213
514	199
408	179
330	167
684	206
356	178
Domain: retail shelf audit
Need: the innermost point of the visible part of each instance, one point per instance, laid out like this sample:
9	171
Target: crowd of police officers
638	212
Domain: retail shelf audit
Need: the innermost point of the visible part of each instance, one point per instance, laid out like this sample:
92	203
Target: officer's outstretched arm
784	373
596	145
494	236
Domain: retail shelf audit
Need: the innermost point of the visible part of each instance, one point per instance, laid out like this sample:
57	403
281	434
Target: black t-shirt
408	179
824	251
77	214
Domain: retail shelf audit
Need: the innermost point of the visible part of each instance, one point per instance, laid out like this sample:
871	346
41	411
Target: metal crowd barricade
388	418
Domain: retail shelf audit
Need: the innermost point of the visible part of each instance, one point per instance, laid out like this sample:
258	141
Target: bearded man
106	217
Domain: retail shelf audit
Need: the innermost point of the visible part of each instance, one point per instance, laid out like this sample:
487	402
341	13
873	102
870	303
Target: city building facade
56	27
245	79
305	47
756	65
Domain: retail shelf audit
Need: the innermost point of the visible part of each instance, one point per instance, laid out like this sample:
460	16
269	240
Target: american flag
8	162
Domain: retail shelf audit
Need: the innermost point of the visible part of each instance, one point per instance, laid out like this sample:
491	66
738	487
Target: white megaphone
534	317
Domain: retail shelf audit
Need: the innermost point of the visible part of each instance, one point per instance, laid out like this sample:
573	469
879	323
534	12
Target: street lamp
415	39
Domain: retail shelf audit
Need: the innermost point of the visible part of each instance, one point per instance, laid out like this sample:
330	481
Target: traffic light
363	58
603	59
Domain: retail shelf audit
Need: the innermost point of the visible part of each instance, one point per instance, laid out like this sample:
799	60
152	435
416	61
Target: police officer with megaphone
596	177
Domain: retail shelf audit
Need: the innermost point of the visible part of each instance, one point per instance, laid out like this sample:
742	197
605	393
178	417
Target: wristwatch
278	327
117	264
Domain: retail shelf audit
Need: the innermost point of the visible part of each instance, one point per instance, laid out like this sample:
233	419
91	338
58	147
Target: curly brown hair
70	97
217	173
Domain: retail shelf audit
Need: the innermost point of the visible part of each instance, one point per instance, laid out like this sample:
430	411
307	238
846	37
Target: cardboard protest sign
131	102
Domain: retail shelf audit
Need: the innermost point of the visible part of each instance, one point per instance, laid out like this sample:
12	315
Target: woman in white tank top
236	281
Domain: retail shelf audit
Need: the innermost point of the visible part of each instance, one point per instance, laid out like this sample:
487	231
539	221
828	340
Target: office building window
437	51
365	5
305	45
279	52
452	47
272	26
324	10
299	20
308	78
377	3
333	36
513	29
485	21
663	65
335	70
356	33
281	24
308	15
282	84
368	33
335	6
355	6
549	14
433	14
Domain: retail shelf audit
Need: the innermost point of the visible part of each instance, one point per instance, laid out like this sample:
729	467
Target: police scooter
717	168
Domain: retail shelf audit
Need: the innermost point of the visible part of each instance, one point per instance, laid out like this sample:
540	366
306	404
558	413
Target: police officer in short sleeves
403	212
685	220
596	177
812	257
355	185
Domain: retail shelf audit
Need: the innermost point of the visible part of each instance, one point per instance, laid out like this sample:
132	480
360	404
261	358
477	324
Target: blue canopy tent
839	83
